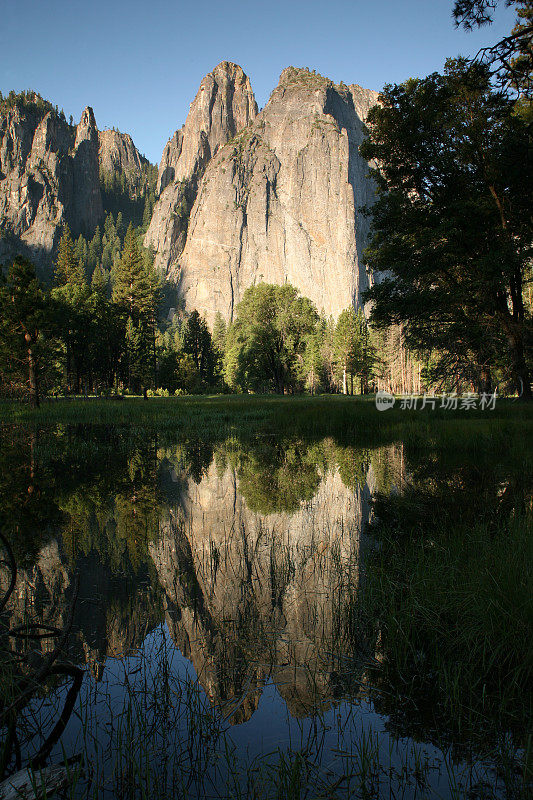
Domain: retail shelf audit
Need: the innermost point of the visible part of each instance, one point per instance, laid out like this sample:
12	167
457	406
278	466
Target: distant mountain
48	175
242	196
52	173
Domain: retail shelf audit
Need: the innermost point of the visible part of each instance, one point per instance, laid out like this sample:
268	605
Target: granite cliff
224	104
278	202
243	196
117	153
48	176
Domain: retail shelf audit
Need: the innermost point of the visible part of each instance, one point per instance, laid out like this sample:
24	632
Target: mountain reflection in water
248	555
217	592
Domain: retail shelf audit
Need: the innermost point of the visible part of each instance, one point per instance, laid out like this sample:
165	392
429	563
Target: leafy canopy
452	227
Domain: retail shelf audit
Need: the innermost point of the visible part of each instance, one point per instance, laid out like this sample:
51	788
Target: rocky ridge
224	104
117	153
243	196
48	176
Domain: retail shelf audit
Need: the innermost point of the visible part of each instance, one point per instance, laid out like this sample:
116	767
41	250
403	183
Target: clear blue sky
138	63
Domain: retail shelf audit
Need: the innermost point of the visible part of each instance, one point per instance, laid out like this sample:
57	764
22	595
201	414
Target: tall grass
352	418
454	609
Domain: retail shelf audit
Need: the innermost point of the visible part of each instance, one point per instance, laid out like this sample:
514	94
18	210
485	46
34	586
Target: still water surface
214	594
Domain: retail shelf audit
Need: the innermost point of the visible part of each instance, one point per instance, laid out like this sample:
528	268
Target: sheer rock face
117	153
48	176
87	210
224	105
280	202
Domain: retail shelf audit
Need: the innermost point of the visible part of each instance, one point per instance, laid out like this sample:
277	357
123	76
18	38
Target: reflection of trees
28	505
278	475
115	510
110	491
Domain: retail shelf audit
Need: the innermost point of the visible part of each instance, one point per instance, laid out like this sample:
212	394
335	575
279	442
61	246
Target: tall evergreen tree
70	298
25	313
452	226
68	267
220	330
136	290
197	343
95	249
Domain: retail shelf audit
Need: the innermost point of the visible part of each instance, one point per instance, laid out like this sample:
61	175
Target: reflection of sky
330	740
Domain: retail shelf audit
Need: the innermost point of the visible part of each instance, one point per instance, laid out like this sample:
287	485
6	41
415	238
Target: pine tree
197	343
24	314
68	266
110	231
81	251
99	281
147	213
120	226
136	290
136	286
95	249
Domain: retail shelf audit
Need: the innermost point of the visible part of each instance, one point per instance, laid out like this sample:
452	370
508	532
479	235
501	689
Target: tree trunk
32	374
485	380
516	348
344	381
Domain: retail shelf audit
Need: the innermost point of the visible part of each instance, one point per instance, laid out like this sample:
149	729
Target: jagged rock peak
86	200
224	105
117	152
86	128
48	176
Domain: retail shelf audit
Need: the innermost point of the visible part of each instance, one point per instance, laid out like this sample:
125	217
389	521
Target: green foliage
136	291
28	100
451	228
136	286
511	58
26	341
347	346
69	266
267	338
197	343
130	194
277	476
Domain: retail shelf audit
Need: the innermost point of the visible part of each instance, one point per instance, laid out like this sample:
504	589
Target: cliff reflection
253	594
249	553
